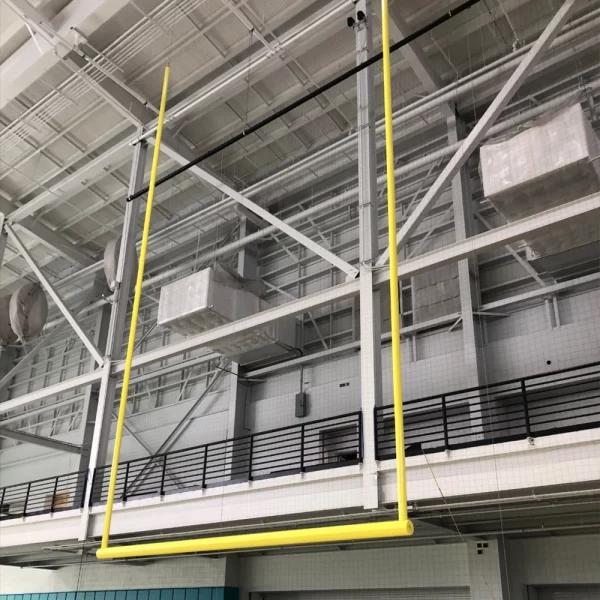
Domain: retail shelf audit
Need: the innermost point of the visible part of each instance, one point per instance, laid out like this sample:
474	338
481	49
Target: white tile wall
175	572
410	567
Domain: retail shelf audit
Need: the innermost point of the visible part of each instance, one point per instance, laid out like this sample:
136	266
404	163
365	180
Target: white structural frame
370	298
365	287
329	256
490	116
30	438
589	205
453	91
72	183
116	329
89	344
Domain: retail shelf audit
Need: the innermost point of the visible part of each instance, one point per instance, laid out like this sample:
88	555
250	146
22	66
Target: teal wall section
207	593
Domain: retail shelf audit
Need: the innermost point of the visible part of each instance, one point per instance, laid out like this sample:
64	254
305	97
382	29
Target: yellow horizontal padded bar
270	539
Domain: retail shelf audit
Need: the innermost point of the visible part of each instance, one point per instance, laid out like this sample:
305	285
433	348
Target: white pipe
589	22
347	196
350	195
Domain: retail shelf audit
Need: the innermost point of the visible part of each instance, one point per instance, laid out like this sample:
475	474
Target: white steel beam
30	438
483	125
55	296
55	242
341	264
51	390
589	205
370	299
451	253
74	183
545	292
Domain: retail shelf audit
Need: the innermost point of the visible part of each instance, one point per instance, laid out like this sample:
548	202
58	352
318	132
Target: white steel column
116	327
91	397
370	317
246	267
464	221
7	355
7	359
462	205
3	237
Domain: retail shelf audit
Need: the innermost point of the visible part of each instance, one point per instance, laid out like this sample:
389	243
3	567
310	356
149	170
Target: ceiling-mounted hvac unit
217	296
553	161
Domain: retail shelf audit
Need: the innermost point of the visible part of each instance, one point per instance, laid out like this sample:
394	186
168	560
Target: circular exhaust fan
28	311
7	335
111	262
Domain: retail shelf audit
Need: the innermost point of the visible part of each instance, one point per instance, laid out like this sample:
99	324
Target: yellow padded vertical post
314	535
134	316
393	245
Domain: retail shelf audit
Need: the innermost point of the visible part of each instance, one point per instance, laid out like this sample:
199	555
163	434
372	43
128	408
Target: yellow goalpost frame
314	535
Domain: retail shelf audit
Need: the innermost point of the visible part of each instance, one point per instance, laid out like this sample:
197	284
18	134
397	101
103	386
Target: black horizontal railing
48	495
310	446
556	402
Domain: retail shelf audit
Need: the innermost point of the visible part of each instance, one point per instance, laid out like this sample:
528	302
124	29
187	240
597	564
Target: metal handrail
299	447
46	495
518	408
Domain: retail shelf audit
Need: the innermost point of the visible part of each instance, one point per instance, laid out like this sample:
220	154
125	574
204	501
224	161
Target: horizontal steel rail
315	445
48	495
553	402
543	404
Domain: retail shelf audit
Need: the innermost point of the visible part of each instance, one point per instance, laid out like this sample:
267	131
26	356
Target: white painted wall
175	572
381	568
564	560
519	345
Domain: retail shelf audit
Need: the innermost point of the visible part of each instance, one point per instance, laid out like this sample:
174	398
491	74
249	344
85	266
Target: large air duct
546	163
